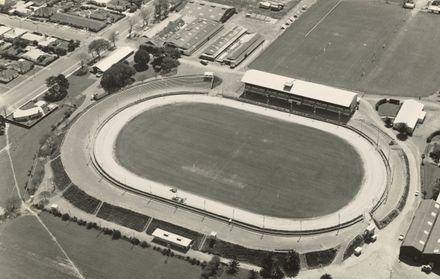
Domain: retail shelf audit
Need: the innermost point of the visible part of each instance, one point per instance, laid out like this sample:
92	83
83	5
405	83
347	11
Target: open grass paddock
366	46
246	160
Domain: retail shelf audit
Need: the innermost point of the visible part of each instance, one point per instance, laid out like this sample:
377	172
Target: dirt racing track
88	152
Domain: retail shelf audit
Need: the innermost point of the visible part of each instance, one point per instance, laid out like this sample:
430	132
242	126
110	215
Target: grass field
80	199
366	46
123	216
7	187
27	251
388	109
243	159
97	256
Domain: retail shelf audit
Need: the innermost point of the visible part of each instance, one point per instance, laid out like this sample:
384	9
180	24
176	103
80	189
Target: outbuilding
115	57
410	114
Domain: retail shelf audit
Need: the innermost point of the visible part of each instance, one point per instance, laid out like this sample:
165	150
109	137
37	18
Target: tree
211	268
326	276
388	121
161	8
169	63
233	267
252	274
292	264
12	205
131	20
141	58
117	77
145	15
98	46
83	59
57	88
113	37
402	128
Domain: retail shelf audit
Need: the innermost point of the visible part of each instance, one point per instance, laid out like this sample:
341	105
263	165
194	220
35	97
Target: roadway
34	85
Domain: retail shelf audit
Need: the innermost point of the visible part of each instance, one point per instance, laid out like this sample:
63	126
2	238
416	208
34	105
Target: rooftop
422	225
411	112
301	88
114	57
208	10
172	237
194	32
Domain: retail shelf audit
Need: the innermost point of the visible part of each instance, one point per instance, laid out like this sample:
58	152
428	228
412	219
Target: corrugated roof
208	10
301	88
113	58
410	112
422	225
195	32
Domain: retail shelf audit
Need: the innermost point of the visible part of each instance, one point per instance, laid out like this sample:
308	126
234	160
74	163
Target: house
410	114
7	75
28	114
22	66
44	12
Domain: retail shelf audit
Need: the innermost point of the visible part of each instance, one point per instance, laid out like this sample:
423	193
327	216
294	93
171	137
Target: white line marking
324	17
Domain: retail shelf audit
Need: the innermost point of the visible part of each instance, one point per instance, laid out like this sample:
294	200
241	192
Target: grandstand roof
301	88
115	57
422	225
411	112
208	10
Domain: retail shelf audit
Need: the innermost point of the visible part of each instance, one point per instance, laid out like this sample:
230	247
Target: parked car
284	26
409	4
203	62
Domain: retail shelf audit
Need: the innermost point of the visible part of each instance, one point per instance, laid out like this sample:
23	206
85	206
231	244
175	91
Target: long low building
294	94
422	240
172	238
246	45
192	36
222	43
410	113
115	57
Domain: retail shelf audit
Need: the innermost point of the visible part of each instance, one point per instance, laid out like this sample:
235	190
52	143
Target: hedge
60	177
81	199
432	135
123	217
320	258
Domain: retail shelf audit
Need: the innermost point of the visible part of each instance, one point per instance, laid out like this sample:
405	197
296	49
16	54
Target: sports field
366	46
246	160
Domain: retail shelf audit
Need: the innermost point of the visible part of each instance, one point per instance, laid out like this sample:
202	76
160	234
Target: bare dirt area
366	46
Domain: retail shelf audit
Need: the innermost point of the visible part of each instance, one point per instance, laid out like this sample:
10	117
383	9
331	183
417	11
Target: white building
172	238
115	57
410	113
28	114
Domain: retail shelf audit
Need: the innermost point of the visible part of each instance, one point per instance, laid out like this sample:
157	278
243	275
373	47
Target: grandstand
299	96
194	35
